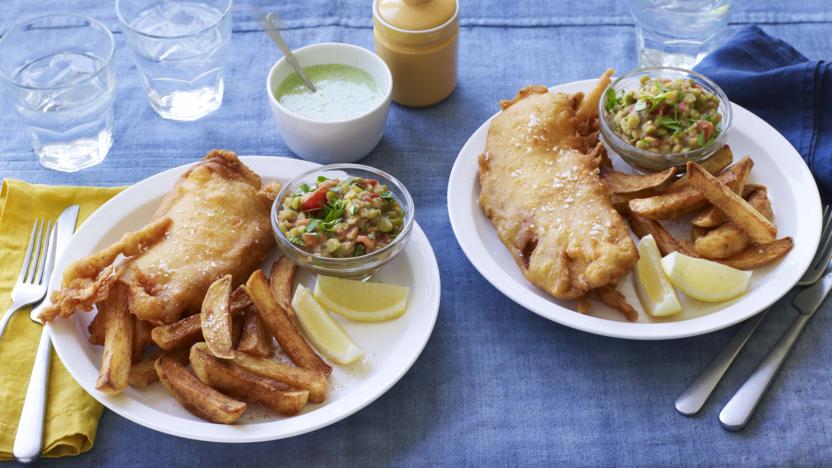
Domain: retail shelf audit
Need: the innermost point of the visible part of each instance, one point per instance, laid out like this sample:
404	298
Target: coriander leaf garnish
701	138
312	225
322	179
334	211
387	196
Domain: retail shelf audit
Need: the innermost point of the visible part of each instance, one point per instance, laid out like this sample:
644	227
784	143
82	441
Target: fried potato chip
675	203
118	343
255	339
187	331
712	216
759	254
621	183
305	379
141	338
197	397
281	282
642	226
729	240
759	229
281	326
215	318
246	385
715	165
696	232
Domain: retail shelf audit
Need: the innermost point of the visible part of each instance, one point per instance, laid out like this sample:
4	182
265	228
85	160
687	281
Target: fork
697	393
31	283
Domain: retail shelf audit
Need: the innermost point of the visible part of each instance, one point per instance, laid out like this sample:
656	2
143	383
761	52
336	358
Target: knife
29	437
739	409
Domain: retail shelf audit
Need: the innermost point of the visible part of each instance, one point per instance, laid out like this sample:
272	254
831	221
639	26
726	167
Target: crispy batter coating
541	188
214	222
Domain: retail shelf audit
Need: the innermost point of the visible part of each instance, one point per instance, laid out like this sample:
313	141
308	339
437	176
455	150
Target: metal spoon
271	30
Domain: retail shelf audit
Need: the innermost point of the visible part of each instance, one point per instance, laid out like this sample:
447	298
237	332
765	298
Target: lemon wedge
705	280
655	292
323	331
362	301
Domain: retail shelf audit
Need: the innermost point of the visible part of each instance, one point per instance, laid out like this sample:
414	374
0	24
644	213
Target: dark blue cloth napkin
792	93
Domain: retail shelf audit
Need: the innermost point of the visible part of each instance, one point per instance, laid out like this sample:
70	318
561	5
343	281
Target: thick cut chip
246	385
281	281
305	379
187	331
197	397
759	255
118	343
622	183
759	229
255	339
141	338
281	326
685	199
667	243
215	318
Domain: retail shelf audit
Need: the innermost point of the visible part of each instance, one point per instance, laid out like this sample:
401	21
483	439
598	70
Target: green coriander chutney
342	92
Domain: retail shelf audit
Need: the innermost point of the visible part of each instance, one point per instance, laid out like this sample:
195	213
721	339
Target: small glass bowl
650	161
360	267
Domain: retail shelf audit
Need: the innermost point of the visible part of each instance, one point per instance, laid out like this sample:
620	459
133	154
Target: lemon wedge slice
323	331
705	280
362	301
655	292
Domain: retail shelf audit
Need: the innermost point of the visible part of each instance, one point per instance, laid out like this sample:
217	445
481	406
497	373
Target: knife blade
65	228
740	408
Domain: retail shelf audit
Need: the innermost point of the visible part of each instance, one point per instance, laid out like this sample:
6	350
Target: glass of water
677	33
57	70
179	47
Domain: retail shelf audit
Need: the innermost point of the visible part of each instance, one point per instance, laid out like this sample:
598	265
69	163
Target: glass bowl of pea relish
661	117
344	220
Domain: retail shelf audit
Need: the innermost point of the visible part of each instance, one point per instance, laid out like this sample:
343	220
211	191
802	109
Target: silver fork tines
35	271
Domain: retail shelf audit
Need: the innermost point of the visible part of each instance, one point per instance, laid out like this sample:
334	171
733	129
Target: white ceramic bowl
341	141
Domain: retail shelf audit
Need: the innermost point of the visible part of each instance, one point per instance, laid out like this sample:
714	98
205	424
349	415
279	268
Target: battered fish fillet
217	223
541	188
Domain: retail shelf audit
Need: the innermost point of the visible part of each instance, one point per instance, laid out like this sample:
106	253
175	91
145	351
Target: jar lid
416	15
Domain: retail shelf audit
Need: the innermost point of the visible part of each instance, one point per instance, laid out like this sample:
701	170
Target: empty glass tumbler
180	49
677	33
58	73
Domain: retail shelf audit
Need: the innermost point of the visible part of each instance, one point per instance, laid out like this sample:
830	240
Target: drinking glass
179	48
677	33
58	73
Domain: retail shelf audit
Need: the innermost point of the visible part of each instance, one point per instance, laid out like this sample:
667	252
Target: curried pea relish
664	116
341	218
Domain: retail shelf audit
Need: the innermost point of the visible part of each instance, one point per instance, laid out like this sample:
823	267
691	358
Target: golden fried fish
541	188
214	222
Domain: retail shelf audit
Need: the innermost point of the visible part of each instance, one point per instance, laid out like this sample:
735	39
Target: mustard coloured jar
418	41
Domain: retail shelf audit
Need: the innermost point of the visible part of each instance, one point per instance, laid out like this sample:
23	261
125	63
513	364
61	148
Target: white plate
794	197
390	347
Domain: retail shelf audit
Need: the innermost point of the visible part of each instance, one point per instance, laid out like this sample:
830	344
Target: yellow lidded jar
418	41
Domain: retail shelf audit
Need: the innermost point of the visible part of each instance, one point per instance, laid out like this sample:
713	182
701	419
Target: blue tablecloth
496	385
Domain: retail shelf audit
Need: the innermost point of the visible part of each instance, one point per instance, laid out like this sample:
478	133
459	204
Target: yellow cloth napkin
71	414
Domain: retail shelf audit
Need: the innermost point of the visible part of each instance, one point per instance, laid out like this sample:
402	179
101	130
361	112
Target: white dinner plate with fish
390	347
777	165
